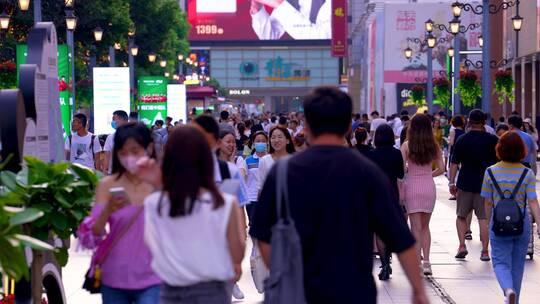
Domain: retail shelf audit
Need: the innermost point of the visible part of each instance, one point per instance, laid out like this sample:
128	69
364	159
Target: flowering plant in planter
441	89
418	95
504	86
469	88
8	75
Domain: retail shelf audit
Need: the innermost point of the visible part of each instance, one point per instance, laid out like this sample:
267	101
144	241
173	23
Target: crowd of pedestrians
173	213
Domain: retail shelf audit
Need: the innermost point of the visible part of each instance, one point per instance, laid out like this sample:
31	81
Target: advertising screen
152	99
177	102
111	93
252	20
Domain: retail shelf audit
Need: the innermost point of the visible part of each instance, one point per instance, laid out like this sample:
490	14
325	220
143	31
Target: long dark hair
384	136
290	145
187	168
136	131
422	146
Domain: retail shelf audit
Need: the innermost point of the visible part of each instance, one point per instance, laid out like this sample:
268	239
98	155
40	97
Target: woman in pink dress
419	152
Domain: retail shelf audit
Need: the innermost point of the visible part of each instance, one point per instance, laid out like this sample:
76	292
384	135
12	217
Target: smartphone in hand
119	197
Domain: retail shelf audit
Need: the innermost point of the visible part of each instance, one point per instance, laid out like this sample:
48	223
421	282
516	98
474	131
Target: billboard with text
248	20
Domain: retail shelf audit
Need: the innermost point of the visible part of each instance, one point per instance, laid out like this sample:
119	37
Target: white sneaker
237	293
510	296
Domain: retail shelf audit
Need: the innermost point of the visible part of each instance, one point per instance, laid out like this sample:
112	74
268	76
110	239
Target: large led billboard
252	20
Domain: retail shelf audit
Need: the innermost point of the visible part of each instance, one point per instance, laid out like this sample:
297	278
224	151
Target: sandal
462	252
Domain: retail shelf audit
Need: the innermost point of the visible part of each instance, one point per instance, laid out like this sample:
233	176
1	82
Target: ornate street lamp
71	20
163	63
131	32
152	57
167	74
408	53
4	21
450	52
456	9
517	22
117	46
24	4
98	34
134	50
180	57
455	25
69	3
429	25
431	41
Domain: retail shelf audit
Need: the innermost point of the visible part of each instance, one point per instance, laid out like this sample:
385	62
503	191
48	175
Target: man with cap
474	152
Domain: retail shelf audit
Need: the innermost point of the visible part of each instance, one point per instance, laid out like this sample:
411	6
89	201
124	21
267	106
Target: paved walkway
464	282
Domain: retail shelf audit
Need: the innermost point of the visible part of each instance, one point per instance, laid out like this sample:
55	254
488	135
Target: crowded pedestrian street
269	151
465	282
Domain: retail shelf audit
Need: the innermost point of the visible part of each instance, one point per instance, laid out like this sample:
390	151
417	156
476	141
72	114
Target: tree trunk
37	277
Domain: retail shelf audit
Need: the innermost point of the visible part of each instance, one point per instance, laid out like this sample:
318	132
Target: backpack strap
224	170
495	184
92	146
518	185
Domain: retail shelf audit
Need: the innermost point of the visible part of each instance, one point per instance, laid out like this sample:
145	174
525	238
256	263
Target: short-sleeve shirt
79	148
338	200
529	144
475	151
507	176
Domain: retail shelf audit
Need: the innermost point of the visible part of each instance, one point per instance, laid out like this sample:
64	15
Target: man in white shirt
376	121
82	147
119	118
301	19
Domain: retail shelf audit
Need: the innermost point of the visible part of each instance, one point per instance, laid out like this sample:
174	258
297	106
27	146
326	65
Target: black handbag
92	279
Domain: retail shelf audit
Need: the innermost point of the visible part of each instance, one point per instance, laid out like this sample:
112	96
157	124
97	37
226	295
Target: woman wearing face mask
227	151
281	144
122	257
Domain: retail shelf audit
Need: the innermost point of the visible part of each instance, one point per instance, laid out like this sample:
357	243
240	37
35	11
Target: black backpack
508	219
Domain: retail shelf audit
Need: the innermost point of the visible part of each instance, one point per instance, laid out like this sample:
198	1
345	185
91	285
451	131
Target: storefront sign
278	70
152	99
111	93
339	28
249	71
239	92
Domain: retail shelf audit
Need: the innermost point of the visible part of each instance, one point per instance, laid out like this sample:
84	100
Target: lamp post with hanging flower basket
442	91
418	95
469	88
504	86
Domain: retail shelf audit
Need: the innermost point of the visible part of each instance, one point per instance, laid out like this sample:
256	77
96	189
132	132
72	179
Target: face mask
130	163
114	125
260	147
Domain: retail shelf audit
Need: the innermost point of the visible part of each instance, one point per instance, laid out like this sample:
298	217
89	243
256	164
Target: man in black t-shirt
338	200
474	151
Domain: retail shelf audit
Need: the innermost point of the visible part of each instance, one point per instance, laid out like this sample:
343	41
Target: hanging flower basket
8	75
504	86
418	95
442	91
469	88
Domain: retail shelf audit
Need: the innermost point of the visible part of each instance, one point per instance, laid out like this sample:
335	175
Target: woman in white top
281	144
191	229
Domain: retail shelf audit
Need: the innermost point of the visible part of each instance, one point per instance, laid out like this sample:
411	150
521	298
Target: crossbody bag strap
282	189
495	184
121	234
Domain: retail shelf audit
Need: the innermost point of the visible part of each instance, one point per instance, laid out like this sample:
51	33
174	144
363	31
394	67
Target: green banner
64	79
152	91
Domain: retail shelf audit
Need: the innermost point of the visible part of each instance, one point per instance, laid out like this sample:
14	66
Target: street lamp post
133	50
180	64
456	29
486	9
71	24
